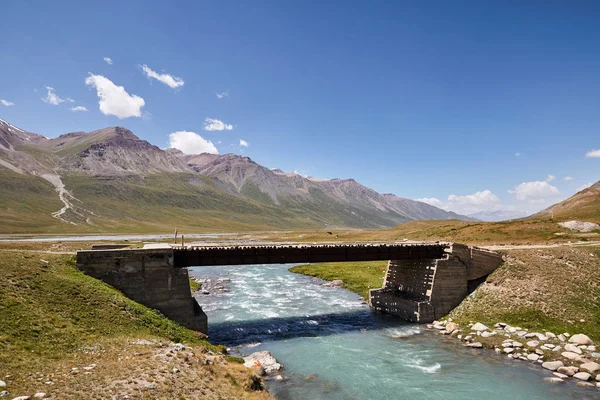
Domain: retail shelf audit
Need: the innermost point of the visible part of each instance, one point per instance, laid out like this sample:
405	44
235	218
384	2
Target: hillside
109	180
584	206
73	337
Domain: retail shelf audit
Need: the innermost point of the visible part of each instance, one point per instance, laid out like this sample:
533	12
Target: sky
471	106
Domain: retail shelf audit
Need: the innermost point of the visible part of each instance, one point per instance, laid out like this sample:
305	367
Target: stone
22	398
451	327
517	344
439	326
521	334
580	338
507	344
264	359
479	327
143	342
533	343
570	355
334	283
476	345
586	384
553	379
572	348
487	334
4	393
557	348
539	352
178	346
567	334
39	395
549	345
512	329
559	375
562	338
569	371
591	348
468	337
552	365
584	376
508	350
533	357
550	335
591	367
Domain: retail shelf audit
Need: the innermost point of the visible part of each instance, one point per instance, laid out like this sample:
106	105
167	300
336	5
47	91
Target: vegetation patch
358	277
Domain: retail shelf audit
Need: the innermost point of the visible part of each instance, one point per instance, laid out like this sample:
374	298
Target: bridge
423	281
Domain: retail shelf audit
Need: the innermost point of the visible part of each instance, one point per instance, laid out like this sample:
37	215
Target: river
333	348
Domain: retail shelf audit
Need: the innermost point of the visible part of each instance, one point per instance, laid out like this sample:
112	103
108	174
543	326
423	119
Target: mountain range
111	180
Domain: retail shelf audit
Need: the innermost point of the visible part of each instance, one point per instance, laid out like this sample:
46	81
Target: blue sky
422	99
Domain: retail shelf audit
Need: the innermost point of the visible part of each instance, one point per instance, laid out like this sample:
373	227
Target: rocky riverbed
566	357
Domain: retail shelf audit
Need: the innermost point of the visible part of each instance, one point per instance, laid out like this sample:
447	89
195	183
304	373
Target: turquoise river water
332	347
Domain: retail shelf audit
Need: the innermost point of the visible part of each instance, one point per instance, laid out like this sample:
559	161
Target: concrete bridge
424	281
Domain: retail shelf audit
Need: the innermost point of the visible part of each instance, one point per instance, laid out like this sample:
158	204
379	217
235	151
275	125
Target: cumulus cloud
431	201
244	143
53	98
221	95
568	178
7	103
108	60
211	124
535	191
593	154
78	108
191	143
550	178
114	100
169	80
484	200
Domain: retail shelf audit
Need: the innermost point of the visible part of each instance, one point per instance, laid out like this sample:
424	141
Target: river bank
65	335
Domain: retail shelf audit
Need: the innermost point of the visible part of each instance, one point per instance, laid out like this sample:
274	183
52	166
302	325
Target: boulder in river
552	365
584	376
334	283
591	367
570	371
262	359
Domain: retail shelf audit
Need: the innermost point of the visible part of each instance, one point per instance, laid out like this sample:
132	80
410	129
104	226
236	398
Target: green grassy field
358	277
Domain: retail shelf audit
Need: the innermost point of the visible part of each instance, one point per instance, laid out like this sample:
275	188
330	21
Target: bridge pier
148	277
423	290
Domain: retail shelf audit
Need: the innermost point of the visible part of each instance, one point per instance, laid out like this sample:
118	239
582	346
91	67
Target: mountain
583	205
110	180
498	215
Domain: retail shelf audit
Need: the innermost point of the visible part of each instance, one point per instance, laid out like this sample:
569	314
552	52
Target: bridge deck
304	253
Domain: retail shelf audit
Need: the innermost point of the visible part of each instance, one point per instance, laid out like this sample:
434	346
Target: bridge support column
148	277
423	290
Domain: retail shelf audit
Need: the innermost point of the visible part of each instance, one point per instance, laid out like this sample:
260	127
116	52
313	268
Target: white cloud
431	201
550	178
7	103
582	187
221	95
108	60
211	124
78	108
244	143
568	178
535	191
114	100
472	203
169	80
593	154
191	143
53	98
517	154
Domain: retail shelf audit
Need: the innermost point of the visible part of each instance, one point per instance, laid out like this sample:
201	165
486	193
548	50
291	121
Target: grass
194	286
55	317
358	277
